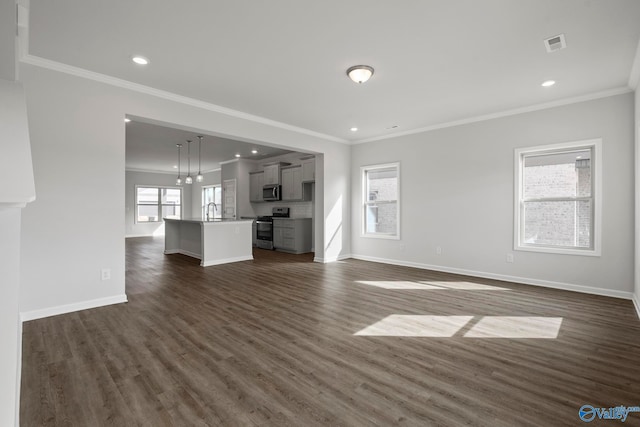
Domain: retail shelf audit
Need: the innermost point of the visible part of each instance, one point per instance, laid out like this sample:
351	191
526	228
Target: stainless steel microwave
271	192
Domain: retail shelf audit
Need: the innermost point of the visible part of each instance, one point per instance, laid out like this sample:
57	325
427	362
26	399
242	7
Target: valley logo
588	413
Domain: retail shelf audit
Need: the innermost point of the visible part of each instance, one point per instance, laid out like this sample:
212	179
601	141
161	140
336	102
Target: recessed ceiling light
354	129
140	60
175	166
548	83
578	157
237	155
126	120
254	151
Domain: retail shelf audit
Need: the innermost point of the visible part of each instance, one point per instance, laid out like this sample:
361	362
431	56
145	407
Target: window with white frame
155	203
558	198
212	201
381	201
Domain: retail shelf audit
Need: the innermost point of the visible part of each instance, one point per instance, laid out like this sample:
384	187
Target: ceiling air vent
555	43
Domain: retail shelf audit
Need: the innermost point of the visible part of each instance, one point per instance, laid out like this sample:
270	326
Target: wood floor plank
272	342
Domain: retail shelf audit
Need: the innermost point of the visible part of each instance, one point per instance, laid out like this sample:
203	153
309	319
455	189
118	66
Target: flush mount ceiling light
360	73
140	60
354	129
548	83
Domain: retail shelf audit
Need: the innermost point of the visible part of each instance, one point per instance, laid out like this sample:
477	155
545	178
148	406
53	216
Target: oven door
264	230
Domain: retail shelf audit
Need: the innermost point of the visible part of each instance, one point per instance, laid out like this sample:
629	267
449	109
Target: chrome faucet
215	208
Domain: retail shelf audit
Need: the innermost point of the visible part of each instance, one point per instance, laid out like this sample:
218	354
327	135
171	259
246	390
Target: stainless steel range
264	227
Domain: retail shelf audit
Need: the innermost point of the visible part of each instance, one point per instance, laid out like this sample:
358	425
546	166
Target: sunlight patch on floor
515	327
400	325
397	325
429	285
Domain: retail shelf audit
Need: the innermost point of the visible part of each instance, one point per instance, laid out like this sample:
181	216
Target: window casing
558	195
381	201
155	203
212	194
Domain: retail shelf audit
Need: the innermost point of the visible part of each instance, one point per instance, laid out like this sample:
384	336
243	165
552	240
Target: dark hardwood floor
284	341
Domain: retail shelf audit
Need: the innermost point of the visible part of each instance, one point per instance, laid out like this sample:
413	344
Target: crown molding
136	87
506	113
37	61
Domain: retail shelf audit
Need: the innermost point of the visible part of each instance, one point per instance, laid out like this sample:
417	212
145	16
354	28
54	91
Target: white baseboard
226	261
182	252
636	303
503	277
68	308
332	259
142	235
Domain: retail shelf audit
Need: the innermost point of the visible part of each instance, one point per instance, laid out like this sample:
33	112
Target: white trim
332	259
634	75
226	260
150	171
19	372
183	252
226	162
636	304
596	179
506	113
507	278
363	201
136	87
25	316
129	236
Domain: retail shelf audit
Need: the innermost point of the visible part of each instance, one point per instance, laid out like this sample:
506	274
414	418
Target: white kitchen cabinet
272	174
292	235
309	170
256	182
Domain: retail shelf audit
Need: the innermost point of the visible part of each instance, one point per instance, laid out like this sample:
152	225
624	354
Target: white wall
133	179
78	146
7	40
457	193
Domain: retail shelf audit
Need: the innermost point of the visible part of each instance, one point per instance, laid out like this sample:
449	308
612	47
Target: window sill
559	251
381	236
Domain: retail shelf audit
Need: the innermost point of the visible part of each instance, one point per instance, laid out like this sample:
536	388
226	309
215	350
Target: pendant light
199	177
188	179
179	180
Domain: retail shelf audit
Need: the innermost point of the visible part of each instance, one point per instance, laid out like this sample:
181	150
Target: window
558	193
155	203
212	194
381	207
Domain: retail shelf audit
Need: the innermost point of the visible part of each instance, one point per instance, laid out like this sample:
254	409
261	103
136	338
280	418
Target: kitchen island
213	242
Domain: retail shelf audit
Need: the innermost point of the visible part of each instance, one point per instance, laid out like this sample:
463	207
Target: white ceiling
436	61
153	148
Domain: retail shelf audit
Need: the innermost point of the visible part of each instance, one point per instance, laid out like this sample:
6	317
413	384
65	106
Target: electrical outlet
509	257
105	274
438	250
